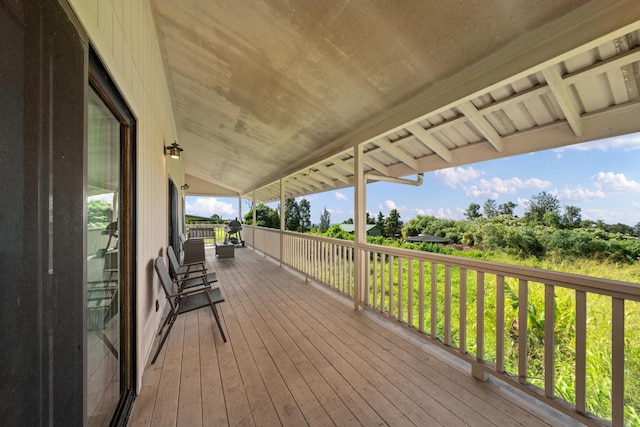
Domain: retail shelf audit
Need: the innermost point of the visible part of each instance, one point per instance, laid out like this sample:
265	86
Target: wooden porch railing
209	232
476	310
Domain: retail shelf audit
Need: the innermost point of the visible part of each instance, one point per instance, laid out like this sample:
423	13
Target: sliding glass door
110	243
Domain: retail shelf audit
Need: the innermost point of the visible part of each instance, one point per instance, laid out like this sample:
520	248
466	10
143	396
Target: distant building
427	238
372	229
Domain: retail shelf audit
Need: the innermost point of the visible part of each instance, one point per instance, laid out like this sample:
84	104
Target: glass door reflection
103	269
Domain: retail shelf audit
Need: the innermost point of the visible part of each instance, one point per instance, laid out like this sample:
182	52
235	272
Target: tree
98	213
473	211
304	208
380	221
636	230
539	205
489	208
370	220
216	219
291	215
265	217
620	228
325	220
393	225
507	208
571	217
348	221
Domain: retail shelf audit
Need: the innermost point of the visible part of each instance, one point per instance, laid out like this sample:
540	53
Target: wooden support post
360	189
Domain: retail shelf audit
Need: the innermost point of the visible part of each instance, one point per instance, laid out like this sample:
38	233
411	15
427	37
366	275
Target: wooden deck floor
297	355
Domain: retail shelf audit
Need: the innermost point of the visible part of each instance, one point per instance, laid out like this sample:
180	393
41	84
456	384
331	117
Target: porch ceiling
264	90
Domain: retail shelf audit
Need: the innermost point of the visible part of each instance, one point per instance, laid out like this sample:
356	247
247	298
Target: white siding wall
123	34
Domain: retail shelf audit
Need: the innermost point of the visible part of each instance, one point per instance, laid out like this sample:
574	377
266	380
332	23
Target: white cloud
477	192
208	206
615	182
340	196
389	204
624	143
495	186
580	194
453	176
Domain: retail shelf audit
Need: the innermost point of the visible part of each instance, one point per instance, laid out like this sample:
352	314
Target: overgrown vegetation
543	232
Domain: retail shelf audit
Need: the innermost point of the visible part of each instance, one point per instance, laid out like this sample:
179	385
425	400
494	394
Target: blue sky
600	177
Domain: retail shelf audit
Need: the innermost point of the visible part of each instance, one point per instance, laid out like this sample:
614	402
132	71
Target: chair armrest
203	276
193	290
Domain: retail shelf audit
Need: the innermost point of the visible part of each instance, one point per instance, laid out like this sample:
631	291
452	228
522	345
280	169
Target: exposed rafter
342	165
431	142
333	173
320	178
375	164
482	124
561	91
396	152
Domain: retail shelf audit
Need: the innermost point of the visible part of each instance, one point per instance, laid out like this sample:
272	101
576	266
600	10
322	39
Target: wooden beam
396	152
377	165
430	141
339	163
482	124
561	92
332	172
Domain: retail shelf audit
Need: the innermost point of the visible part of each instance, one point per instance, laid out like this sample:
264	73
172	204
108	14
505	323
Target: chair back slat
165	280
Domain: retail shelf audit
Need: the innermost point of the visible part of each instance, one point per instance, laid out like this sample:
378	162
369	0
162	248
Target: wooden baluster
400	288
617	362
447	305
500	323
434	300
421	295
410	293
549	341
523	341
391	289
463	310
581	351
375	280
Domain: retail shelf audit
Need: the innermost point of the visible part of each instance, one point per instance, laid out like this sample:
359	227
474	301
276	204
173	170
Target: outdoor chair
185	277
184	301
193	254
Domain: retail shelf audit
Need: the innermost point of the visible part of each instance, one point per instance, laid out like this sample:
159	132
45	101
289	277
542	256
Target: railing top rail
340	242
